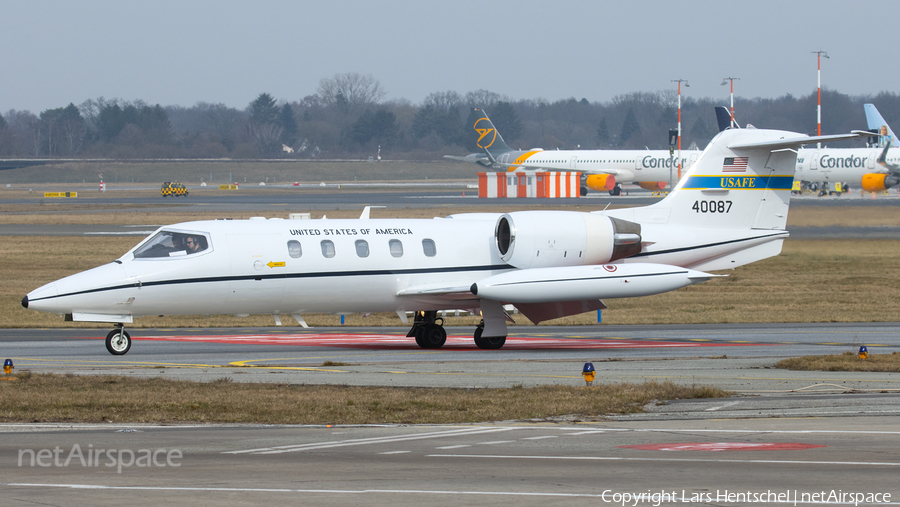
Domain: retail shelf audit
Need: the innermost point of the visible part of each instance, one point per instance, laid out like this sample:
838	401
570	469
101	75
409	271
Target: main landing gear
487	342
118	341
430	334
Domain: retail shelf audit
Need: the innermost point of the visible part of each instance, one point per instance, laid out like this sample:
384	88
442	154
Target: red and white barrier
535	184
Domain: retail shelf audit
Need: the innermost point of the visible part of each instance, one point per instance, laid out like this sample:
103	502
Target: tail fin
488	138
742	180
877	124
723	118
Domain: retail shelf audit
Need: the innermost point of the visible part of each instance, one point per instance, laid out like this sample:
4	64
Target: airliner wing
882	160
472	158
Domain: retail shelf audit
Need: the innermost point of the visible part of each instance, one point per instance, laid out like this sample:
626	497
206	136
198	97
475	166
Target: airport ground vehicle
173	189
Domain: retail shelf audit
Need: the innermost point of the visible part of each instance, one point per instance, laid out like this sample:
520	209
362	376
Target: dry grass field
96	399
848	361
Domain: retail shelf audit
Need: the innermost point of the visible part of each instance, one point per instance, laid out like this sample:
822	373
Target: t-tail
742	180
879	126
731	207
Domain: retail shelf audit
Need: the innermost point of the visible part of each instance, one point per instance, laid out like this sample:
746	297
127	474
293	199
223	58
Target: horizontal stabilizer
796	142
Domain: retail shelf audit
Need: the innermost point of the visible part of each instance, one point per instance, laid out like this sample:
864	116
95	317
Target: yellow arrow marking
274	264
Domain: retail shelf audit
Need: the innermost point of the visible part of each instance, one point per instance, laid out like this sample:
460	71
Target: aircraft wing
882	160
472	158
441	295
463	297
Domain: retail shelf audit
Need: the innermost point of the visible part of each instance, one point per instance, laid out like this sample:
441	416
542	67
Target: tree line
348	117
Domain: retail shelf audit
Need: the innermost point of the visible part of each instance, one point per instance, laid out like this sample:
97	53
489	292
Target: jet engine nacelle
533	239
654	186
879	182
600	182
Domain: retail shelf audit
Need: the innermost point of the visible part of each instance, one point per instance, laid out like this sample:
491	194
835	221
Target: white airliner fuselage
641	166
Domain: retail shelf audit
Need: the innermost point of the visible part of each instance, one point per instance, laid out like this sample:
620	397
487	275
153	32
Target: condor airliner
729	210
602	170
873	169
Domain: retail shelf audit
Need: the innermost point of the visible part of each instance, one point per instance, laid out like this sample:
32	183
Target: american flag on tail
735	165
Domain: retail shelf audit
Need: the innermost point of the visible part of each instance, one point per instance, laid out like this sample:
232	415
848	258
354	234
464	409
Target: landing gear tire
584	191
431	336
118	342
616	190
488	342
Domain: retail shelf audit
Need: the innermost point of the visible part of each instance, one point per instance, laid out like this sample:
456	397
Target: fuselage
841	164
282	266
628	166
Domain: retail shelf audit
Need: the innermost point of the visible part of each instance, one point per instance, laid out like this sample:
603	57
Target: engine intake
532	239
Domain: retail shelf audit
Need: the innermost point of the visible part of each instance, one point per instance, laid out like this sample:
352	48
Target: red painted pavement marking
724	446
402	342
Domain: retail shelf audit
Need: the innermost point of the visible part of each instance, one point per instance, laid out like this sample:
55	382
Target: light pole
679	81
731	79
819	55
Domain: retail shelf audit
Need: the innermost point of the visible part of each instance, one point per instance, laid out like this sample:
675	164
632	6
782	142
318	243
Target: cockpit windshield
173	244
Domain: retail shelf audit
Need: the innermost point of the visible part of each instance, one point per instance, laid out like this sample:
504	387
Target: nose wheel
118	341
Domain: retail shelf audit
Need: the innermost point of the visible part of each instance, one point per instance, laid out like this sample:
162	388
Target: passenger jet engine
536	239
878	182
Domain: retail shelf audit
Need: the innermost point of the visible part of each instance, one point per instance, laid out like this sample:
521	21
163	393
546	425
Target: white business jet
729	210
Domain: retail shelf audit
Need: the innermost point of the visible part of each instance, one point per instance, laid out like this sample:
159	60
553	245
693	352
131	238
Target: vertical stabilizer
488	138
742	180
877	124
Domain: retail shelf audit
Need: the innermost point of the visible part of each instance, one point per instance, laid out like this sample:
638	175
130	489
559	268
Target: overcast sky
182	52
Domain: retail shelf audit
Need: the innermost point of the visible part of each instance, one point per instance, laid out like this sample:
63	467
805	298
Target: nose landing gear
118	341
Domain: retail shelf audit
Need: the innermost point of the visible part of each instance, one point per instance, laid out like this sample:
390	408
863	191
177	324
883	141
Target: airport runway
722	462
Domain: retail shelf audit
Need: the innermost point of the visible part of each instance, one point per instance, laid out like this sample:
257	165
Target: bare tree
356	89
485	99
447	102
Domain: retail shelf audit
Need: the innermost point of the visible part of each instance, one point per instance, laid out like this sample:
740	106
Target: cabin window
429	248
396	248
165	244
362	248
294	249
328	248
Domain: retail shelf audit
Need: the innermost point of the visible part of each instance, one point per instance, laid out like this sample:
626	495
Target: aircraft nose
40	297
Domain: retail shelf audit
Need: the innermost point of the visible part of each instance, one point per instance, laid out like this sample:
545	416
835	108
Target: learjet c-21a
730	209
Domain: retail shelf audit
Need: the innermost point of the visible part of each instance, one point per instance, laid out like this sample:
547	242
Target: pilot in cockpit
195	244
178	242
